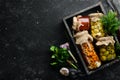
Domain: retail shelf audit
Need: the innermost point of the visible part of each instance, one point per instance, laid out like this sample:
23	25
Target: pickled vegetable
84	40
81	23
96	25
106	48
90	56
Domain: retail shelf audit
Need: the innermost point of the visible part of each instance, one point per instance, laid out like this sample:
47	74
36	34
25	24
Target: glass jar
90	55
81	23
84	40
107	53
106	48
96	25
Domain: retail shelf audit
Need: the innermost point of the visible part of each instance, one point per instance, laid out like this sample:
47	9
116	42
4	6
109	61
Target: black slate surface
28	28
117	5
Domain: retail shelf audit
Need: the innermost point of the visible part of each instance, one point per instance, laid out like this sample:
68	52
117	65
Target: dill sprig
111	23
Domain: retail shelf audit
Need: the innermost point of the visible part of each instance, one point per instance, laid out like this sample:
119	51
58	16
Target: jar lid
105	41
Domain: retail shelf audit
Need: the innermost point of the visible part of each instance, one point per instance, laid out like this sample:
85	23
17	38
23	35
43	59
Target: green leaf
110	22
53	56
117	46
52	48
53	63
59	56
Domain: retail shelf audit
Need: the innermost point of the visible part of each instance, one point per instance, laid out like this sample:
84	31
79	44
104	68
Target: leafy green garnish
110	22
60	57
117	47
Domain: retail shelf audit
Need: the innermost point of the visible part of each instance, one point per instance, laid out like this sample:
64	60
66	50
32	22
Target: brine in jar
96	25
84	40
106	48
81	23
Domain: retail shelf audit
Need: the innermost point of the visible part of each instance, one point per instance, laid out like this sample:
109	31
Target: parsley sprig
111	23
61	57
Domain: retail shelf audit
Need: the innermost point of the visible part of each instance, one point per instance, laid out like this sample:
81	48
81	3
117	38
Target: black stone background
28	28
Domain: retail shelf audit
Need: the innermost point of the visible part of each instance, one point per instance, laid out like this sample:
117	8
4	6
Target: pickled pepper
84	40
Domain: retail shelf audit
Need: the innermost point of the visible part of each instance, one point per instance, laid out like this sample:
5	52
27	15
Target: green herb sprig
60	57
117	47
111	23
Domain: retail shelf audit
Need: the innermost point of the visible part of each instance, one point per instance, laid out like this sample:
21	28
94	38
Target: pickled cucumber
103	58
102	50
107	53
112	51
110	57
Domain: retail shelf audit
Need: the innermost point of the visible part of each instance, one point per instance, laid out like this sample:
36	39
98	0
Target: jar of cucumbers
106	48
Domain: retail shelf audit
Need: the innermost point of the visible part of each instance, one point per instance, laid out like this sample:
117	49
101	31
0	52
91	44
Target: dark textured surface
27	29
117	4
